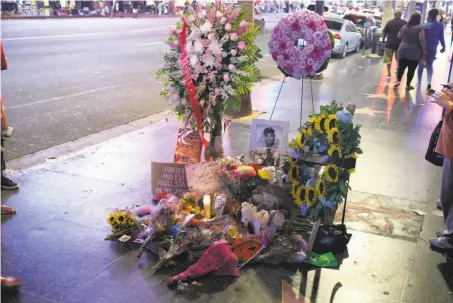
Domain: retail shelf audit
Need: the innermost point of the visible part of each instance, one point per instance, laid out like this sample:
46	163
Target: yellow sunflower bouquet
122	222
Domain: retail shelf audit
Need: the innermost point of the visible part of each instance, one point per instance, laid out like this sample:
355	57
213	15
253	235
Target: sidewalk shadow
446	269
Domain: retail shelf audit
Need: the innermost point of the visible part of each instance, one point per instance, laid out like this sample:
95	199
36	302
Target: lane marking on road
80	35
150	43
71	95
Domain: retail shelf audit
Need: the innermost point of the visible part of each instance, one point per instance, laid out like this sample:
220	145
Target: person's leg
429	67
7	183
388	57
402	64
446	193
411	66
421	66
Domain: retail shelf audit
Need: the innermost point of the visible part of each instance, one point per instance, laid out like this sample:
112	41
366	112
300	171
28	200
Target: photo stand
317	223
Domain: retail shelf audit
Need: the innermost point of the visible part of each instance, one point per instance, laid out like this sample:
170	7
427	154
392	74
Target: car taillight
337	36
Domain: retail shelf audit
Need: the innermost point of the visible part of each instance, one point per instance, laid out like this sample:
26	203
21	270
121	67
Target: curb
59	153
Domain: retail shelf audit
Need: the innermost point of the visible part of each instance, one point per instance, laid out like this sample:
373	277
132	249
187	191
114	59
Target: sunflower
334	151
111	218
330	122
131	219
294	188
320	127
310	196
301	137
308	131
293	173
300	196
291	161
116	227
320	187
351	170
352	156
334	136
331	173
121	217
315	123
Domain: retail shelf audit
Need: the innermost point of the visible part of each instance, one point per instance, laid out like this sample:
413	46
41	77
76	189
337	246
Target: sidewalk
55	243
140	16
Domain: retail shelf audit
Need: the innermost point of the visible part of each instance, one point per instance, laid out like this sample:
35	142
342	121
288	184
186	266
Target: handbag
431	155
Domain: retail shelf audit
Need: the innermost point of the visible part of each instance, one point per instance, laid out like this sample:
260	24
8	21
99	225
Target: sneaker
6	210
444	233
408	87
8	184
429	86
439	205
8	132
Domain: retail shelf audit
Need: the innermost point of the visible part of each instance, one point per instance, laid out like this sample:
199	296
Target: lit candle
207	206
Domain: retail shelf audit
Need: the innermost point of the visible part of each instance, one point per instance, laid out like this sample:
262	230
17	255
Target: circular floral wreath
293	61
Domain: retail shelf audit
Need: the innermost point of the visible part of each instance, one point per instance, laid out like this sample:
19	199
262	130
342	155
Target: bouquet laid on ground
211	63
123	222
322	157
241	179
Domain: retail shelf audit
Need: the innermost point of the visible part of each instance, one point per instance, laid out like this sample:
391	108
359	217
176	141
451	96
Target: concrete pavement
55	241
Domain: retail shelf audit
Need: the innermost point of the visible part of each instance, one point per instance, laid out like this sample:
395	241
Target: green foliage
331	108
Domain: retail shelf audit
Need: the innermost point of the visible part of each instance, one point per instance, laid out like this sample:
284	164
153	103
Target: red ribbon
192	91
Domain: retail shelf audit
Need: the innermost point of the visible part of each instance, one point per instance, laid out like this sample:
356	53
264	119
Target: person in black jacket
391	40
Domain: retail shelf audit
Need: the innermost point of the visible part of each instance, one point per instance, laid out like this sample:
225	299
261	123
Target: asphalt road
69	78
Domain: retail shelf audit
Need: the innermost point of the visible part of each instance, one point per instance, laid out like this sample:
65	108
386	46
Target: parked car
366	24
347	37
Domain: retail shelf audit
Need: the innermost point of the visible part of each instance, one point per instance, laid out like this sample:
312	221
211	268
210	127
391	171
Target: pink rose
233	52
217	91
233	36
244	24
228	27
241	45
218	59
226	77
205	43
231	67
223	20
184	102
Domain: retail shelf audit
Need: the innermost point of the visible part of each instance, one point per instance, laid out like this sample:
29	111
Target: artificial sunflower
310	196
301	138
294	188
334	136
320	187
116	227
111	218
321	125
264	174
300	196
334	151
331	173
330	122
293	173
121	217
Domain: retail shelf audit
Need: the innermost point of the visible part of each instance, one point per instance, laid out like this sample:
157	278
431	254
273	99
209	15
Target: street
69	78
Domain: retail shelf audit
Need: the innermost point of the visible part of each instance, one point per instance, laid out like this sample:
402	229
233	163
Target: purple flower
303	209
344	116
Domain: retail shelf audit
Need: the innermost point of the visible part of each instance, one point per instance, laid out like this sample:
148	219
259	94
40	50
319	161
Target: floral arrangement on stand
323	156
291	60
211	63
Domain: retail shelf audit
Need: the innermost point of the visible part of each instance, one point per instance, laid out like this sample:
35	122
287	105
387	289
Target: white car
347	37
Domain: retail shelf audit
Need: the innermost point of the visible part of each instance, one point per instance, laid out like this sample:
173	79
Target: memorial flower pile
122	222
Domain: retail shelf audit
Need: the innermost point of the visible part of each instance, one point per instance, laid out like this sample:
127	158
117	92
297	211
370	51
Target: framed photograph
269	134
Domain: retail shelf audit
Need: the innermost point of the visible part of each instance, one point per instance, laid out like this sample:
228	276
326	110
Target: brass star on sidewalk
376	96
368	111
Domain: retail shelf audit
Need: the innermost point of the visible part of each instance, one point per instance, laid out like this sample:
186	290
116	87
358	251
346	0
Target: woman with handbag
445	148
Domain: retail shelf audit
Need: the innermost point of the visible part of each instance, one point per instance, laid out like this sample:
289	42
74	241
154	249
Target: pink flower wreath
291	60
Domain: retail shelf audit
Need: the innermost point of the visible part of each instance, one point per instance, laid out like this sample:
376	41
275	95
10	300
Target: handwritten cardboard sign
168	177
203	177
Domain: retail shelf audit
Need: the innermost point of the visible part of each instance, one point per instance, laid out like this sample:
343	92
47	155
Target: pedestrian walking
391	40
434	33
411	49
445	148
